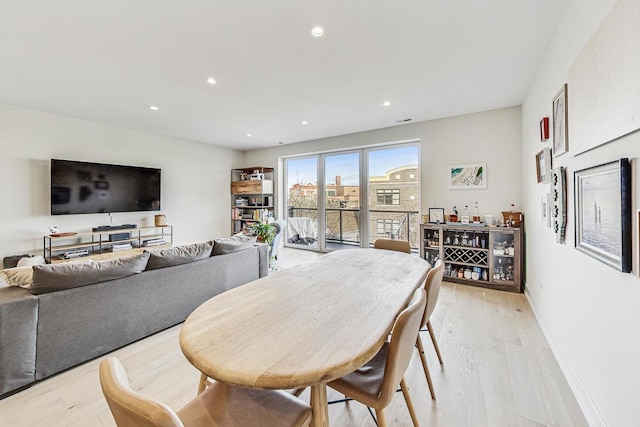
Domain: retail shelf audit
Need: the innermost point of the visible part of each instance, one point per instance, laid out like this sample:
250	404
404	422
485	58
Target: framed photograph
436	215
560	119
543	165
468	177
544	129
544	209
603	213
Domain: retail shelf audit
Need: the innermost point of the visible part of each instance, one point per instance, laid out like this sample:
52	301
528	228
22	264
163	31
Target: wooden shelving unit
476	255
100	244
251	196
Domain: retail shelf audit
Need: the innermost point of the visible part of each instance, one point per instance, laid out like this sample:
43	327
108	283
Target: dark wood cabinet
490	257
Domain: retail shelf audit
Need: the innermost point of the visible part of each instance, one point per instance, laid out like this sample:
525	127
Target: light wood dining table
304	326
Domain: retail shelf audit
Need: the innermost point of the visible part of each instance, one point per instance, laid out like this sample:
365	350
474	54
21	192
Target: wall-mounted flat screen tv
84	188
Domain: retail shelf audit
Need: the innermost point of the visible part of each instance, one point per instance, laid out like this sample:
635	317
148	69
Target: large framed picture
603	213
468	177
560	119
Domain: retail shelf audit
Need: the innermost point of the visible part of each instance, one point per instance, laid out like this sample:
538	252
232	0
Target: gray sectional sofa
44	330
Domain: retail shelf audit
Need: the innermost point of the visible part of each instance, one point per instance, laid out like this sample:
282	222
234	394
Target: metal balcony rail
406	229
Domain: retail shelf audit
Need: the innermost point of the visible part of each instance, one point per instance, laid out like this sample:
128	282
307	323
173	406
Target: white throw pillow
28	261
18	276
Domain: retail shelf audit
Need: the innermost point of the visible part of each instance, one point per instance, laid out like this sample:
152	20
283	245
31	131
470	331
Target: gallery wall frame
603	213
544	129
560	122
543	165
559	206
469	176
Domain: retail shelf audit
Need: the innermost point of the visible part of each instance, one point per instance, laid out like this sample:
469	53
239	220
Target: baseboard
589	409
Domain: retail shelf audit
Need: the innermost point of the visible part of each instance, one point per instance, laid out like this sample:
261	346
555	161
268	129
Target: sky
345	165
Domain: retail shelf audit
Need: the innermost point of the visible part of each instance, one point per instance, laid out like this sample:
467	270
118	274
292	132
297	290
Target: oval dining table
304	326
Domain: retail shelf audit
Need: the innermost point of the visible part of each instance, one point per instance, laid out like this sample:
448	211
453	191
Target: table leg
320	417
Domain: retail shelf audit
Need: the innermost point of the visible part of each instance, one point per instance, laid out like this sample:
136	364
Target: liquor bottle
454	215
465	215
476	214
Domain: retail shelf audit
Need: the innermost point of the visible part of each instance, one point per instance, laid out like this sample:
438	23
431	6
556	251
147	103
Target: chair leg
407	398
433	339
382	422
423	359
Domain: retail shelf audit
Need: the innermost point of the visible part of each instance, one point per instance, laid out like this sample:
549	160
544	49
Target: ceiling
109	61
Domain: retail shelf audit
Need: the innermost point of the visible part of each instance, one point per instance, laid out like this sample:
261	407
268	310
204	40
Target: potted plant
265	232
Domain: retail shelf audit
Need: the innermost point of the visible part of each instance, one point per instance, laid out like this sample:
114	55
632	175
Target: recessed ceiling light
153	107
304	122
211	81
317	31
386	103
248	134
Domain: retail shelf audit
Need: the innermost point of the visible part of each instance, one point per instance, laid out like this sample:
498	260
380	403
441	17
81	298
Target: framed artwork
560	119
468	177
544	129
543	165
559	206
436	215
603	213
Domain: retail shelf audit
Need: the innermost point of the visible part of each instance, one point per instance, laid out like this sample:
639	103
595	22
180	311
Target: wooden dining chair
219	405
375	383
432	287
392	245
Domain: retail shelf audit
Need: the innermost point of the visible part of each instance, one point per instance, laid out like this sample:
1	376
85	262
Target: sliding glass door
342	199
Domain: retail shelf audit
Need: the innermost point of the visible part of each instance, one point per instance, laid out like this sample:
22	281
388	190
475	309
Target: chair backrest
403	339
129	408
432	286
281	225
392	245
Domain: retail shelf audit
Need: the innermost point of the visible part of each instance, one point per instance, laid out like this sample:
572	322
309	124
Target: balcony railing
343	224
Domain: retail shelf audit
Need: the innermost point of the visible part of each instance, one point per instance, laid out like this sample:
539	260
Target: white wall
589	312
195	177
492	137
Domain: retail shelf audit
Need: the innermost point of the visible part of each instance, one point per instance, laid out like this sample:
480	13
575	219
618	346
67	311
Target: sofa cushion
17	276
232	244
56	277
168	257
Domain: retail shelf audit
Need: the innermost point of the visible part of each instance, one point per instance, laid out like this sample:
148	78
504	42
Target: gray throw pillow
56	277
167	257
234	243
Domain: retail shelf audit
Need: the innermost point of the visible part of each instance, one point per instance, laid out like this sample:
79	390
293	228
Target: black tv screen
84	188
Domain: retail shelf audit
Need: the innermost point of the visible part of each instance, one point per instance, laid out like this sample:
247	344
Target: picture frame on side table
560	122
436	215
543	166
603	213
468	176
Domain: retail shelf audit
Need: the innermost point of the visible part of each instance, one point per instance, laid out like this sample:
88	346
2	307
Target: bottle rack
478	255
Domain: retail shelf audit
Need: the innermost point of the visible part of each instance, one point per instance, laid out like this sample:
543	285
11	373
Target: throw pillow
57	277
28	261
179	255
235	243
17	276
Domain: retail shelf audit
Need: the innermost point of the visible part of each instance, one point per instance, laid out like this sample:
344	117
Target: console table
97	245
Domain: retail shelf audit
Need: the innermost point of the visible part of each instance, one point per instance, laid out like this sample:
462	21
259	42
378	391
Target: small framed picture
543	166
436	215
468	176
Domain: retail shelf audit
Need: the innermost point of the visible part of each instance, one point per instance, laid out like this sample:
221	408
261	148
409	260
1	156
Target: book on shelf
154	242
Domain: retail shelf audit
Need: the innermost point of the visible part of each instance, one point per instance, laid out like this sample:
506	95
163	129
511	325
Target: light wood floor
498	371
